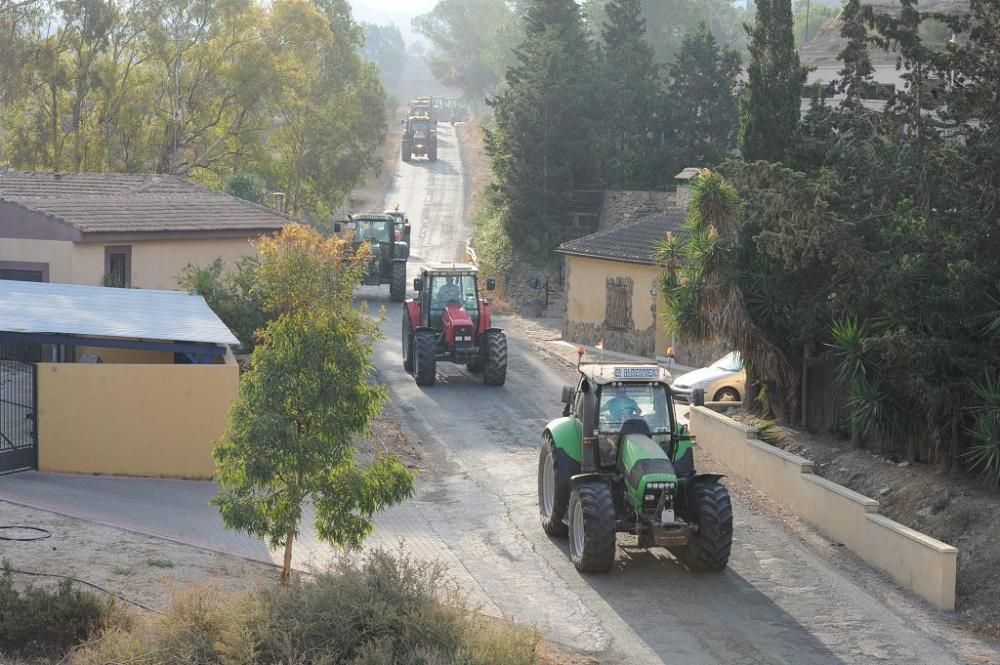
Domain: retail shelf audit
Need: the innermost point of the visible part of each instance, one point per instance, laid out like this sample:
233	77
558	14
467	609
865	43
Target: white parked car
723	381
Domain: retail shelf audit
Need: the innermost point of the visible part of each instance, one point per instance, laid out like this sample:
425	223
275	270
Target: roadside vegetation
223	94
376	609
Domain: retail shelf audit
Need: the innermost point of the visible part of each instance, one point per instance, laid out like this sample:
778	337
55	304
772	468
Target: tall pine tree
772	103
702	115
629	97
540	146
856	73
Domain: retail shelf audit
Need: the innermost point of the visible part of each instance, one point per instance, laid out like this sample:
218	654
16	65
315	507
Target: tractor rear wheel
397	281
708	547
407	338
425	366
495	368
405	151
553	496
592	527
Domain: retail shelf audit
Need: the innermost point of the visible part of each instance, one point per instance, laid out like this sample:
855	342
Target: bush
231	295
377	610
48	622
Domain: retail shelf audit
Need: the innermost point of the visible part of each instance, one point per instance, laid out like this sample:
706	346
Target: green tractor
618	462
389	236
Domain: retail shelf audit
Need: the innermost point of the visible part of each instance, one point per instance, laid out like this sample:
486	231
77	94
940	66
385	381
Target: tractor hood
643	461
455	315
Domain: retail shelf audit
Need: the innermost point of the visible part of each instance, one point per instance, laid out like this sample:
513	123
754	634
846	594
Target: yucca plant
984	455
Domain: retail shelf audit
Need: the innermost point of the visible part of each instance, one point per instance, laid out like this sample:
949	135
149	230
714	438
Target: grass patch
160	563
121	570
377	610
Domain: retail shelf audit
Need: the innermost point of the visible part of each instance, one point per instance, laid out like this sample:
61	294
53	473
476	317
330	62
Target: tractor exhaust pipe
589	450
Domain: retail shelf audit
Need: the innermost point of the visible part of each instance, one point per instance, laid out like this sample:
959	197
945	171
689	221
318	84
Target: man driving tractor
450	292
621	406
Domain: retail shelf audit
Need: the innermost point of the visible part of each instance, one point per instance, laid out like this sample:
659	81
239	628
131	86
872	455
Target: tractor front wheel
407	338
397	281
425	366
432	153
711	511
495	368
405	152
592	527
553	496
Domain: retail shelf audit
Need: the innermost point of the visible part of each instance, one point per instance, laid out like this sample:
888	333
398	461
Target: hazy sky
384	12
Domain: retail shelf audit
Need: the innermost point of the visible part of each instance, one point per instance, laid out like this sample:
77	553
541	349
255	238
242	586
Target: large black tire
553	496
432	153
405	151
425	365
592	527
495	368
708	548
407	337
397	281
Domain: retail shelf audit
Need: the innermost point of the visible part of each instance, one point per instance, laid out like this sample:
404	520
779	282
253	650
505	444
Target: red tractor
449	321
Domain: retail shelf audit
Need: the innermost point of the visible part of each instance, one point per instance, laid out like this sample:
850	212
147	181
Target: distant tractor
456	111
419	139
389	237
448	321
423	107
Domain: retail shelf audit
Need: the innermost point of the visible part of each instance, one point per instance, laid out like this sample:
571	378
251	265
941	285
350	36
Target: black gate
18	415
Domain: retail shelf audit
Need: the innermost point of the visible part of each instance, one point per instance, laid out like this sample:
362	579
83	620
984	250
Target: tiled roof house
133	230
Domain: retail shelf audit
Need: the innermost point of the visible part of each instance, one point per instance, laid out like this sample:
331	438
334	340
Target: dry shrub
376	610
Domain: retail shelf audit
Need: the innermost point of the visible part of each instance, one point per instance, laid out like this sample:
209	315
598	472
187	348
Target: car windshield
624	401
371	231
731	362
454	290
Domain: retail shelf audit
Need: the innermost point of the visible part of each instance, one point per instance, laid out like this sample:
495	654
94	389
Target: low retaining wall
918	562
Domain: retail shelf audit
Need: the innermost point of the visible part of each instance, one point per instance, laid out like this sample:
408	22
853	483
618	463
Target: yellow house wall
157	264
587	293
57	253
133	420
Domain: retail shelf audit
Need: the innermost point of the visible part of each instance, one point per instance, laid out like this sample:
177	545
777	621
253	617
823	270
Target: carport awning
96	311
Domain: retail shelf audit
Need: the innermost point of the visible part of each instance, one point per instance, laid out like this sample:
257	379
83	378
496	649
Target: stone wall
634	342
625	207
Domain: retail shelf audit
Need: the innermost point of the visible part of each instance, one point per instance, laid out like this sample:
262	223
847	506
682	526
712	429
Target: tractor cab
618	461
449	321
390	243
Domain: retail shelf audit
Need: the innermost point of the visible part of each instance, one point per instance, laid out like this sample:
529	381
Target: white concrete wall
916	561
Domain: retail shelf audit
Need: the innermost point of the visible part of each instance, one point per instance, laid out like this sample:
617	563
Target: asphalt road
784	598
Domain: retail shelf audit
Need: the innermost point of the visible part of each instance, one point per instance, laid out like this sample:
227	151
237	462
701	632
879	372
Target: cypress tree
856	72
540	146
629	95
771	106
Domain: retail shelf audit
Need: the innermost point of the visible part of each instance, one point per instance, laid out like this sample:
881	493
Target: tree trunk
286	570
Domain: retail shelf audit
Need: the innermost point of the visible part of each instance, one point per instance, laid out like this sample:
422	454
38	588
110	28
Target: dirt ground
958	511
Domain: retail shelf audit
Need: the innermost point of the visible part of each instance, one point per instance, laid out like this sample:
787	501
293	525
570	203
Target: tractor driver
621	406
451	291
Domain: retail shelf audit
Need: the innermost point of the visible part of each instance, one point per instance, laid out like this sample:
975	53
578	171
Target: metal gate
18	413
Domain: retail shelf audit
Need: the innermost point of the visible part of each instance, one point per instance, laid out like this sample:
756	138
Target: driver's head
450	281
620	393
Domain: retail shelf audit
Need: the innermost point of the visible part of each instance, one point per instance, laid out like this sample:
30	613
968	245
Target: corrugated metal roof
96	311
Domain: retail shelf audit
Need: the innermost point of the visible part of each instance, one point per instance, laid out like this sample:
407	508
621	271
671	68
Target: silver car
723	381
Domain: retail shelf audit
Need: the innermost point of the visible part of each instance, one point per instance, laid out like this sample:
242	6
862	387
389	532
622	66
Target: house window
618	309
118	266
24	272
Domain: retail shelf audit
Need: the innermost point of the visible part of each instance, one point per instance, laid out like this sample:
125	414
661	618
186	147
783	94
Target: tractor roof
450	268
372	217
624	372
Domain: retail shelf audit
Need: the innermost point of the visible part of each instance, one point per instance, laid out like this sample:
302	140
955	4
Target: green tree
810	17
630	95
385	47
701	109
247	186
308	393
773	99
540	145
473	43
